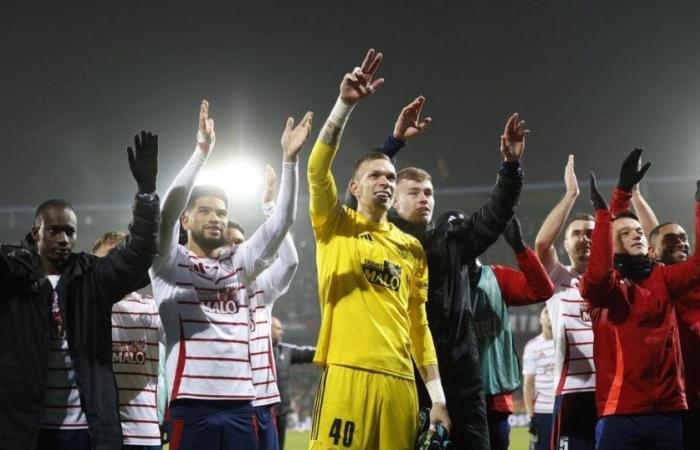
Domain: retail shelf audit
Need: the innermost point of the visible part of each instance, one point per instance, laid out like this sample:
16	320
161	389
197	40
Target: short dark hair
235	226
206	190
582	216
654	233
110	237
371	156
626	215
54	203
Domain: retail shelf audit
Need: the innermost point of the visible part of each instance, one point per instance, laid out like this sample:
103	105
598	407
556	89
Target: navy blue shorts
542	440
640	432
267	428
216	425
574	422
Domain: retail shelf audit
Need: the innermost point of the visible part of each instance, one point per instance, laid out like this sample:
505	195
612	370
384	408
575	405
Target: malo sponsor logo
222	300
133	352
585	314
387	275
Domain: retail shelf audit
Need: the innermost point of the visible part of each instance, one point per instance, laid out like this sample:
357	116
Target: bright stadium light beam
241	178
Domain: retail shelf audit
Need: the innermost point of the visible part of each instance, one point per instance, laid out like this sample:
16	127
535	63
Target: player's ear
354	187
185	221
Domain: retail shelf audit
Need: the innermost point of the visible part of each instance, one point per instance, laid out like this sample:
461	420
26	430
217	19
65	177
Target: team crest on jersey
133	352
221	300
226	264
147	320
387	274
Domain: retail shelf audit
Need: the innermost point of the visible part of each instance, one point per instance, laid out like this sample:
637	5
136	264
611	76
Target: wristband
340	113
434	387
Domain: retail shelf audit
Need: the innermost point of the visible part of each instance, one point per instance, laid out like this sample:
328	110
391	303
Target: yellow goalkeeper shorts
364	410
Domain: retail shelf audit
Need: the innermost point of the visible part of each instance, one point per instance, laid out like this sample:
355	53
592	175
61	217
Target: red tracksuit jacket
687	318
636	350
529	286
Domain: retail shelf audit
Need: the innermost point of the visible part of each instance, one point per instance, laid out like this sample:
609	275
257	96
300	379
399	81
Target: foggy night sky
590	77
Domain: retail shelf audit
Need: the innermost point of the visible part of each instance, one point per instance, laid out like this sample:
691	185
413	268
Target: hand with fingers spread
513	139
570	178
205	134
293	138
143	161
596	198
270	185
513	235
358	84
631	171
409	125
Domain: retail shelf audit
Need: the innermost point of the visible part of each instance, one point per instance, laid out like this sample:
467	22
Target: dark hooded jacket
88	287
451	245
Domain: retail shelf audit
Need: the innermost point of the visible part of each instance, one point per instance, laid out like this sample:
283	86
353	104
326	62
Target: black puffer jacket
451	245
86	291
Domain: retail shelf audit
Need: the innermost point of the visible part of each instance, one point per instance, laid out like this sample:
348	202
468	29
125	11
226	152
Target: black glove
697	191
514	235
143	161
533	427
597	199
630	173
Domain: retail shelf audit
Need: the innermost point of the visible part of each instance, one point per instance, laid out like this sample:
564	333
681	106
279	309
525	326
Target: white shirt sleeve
258	252
173	205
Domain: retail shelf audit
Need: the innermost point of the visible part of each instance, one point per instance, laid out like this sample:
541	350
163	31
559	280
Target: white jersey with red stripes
538	360
262	360
203	306
62	408
135	335
574	369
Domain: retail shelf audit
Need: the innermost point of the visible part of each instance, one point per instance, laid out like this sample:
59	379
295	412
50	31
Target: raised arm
275	280
124	269
179	191
259	251
531	284
600	284
301	354
554	222
489	222
646	214
323	193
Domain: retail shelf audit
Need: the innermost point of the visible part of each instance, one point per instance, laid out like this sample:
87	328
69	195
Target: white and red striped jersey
538	360
135	334
262	360
574	369
203	302
204	309
62	408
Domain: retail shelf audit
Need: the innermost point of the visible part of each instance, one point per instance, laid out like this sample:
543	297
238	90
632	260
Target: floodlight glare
241	178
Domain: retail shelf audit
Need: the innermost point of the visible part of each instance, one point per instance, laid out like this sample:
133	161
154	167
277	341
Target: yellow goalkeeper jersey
372	281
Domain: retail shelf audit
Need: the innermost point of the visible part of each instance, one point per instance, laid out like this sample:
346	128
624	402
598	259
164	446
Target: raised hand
631	170
205	134
513	235
358	84
143	161
570	178
408	125
596	198
513	139
270	184
293	138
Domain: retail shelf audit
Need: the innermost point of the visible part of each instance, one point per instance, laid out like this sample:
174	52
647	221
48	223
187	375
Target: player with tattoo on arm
372	288
203	303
